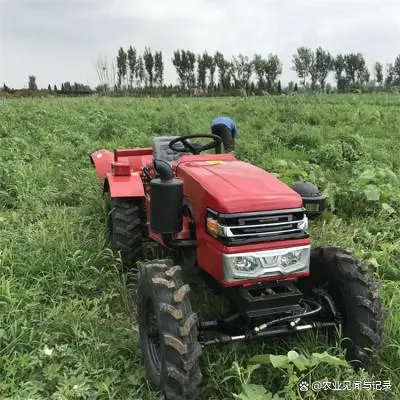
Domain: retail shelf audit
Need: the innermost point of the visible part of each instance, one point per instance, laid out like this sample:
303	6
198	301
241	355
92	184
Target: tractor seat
161	150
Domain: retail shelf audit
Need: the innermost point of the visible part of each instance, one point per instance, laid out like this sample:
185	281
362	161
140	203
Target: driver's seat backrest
161	150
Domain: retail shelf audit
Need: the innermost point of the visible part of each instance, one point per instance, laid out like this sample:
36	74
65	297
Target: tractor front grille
244	228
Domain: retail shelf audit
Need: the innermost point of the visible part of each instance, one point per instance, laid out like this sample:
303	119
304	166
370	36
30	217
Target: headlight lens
214	228
245	264
280	262
290	258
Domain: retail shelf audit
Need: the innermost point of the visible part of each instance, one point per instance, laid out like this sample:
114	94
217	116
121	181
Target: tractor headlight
213	227
245	264
280	262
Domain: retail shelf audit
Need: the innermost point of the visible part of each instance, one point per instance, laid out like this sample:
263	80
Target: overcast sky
59	40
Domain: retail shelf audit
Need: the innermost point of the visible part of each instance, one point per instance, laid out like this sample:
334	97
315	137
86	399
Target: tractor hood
235	186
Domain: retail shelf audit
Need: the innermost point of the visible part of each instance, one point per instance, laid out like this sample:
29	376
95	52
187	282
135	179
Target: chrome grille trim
244	228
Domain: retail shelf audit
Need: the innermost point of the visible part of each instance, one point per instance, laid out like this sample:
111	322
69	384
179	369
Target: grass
67	320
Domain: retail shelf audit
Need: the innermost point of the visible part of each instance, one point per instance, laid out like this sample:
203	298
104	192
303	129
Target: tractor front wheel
124	226
168	331
356	297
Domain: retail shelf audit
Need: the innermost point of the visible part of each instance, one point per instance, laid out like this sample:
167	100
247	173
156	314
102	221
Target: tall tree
323	64
272	69
67	87
356	69
396	71
242	71
140	72
235	72
178	61
149	65
132	64
230	72
121	66
313	71
201	71
211	66
158	68
259	67
338	66
104	73
279	88
190	69
113	73
362	74
223	66
32	83
302	63
389	76
351	67
184	62
378	68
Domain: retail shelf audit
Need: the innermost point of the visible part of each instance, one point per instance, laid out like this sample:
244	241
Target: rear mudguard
102	159
124	186
117	186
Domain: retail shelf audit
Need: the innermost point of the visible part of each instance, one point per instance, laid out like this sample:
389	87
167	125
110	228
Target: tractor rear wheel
168	331
124	226
356	297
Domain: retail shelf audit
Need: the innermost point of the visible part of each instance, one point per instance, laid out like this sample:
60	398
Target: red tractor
246	233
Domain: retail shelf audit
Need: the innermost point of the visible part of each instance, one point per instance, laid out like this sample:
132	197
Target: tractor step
262	300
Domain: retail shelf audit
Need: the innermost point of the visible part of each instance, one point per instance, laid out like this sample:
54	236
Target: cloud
58	40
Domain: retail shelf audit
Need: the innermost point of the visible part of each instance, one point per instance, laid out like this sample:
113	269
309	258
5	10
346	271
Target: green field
67	319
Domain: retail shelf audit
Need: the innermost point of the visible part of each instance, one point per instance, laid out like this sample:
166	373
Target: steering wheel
196	148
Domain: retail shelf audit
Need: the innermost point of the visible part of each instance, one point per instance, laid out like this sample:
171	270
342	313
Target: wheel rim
151	331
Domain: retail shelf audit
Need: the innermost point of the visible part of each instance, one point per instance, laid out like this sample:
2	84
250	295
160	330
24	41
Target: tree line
215	74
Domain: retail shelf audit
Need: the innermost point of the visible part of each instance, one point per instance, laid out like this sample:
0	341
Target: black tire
124	226
348	281
168	331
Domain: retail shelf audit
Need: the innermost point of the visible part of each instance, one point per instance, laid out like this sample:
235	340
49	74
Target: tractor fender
102	160
124	186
